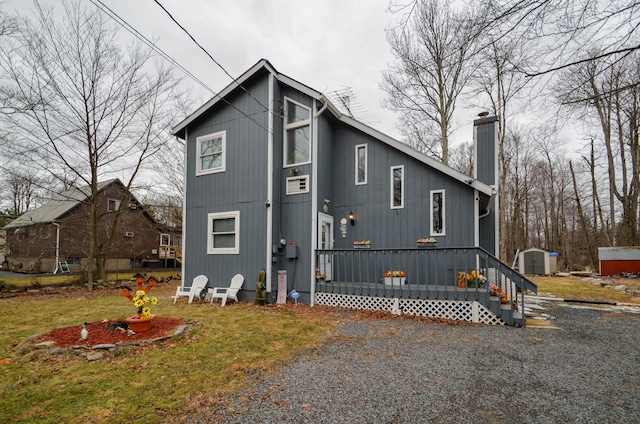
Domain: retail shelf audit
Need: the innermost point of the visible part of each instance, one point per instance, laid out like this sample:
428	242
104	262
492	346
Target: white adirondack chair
196	287
231	292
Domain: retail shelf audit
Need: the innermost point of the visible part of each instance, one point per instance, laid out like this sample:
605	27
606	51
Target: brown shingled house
55	237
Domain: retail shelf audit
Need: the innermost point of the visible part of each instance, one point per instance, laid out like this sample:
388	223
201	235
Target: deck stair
170	252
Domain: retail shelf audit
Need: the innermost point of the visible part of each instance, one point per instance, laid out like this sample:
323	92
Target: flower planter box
395	281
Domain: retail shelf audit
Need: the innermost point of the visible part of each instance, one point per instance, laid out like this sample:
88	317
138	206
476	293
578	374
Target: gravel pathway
400	371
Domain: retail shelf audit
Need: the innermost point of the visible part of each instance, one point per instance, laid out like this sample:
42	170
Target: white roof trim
263	63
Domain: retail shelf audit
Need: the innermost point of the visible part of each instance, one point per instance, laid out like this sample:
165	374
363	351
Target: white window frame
392	187
226	250
293	127
223	153
298	178
115	202
443	214
357	164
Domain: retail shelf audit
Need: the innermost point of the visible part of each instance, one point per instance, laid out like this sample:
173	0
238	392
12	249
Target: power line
208	54
148	42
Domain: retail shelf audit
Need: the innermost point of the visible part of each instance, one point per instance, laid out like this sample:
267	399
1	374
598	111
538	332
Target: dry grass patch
578	288
157	383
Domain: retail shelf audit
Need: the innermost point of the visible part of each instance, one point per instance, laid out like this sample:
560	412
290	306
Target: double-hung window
223	233
297	138
437	213
361	164
210	152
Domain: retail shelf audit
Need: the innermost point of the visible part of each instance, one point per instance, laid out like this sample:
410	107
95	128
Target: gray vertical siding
292	213
376	221
241	187
486	134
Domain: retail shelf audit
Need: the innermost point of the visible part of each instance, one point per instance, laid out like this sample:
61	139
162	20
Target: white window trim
401	206
294	126
221	168
228	250
442	212
300	177
366	164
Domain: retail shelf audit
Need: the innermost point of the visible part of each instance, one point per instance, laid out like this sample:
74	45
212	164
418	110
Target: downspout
55	271
184	208
269	204
314	196
489	205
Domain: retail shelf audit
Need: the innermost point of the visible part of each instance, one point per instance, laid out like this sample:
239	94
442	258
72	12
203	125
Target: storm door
325	241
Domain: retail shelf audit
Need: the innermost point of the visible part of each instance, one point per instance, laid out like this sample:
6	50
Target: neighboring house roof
180	129
56	207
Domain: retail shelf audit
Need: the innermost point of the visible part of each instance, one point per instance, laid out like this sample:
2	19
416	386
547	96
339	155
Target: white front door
325	241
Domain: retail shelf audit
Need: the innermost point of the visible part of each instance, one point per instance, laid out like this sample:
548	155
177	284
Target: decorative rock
104	346
26	349
180	330
95	356
45	345
80	347
621	287
56	351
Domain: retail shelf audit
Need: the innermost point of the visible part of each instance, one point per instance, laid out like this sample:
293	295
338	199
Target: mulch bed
100	334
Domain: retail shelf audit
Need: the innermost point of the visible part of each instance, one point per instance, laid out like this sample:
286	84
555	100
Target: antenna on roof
345	100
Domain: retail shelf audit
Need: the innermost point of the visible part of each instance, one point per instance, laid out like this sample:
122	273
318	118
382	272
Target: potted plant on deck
395	278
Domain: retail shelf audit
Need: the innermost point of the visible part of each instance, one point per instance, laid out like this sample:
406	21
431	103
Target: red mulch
99	333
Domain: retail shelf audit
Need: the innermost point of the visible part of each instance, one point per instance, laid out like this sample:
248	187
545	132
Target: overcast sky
327	45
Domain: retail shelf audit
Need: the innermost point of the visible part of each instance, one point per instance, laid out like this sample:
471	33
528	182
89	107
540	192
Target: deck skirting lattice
448	309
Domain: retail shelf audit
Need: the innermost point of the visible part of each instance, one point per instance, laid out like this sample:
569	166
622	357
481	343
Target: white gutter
55	271
269	204
489	204
314	199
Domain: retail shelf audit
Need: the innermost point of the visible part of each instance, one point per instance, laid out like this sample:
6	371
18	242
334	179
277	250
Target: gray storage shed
537	262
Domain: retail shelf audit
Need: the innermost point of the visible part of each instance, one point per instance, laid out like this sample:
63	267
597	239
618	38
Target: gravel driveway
400	371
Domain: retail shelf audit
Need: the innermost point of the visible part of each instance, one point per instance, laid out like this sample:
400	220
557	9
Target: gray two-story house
279	179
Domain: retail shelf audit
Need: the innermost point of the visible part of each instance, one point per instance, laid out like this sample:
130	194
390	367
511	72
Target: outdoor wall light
352	218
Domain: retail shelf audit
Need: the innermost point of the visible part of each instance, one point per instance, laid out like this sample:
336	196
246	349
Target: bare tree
432	52
8	23
499	80
567	28
607	94
23	187
77	104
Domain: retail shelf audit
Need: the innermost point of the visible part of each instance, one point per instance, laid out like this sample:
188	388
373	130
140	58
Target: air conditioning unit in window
129	234
296	185
133	206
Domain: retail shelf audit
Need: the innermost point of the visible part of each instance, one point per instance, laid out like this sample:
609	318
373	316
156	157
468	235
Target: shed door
534	263
325	241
